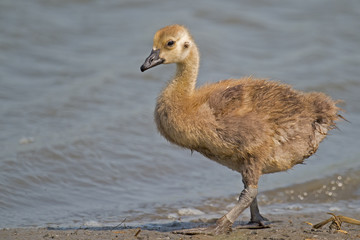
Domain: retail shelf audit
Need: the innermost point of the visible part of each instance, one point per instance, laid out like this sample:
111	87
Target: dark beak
152	60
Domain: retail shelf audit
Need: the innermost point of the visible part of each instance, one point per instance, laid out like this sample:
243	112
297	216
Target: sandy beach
294	226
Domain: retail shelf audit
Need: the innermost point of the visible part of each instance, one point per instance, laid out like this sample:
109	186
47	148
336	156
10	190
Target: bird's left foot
223	225
257	222
254	225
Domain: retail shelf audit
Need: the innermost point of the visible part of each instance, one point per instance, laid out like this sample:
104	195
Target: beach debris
137	232
309	223
336	222
119	225
342	231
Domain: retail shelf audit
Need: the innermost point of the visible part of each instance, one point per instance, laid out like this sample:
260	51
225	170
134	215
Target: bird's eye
170	43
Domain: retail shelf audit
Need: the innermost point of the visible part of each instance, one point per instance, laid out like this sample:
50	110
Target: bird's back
266	121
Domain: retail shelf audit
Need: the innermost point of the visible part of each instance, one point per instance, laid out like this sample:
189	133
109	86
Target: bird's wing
249	111
226	99
236	122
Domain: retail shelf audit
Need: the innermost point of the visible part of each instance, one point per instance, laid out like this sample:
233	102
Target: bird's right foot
223	225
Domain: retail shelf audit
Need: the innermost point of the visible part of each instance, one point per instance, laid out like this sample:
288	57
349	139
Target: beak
152	60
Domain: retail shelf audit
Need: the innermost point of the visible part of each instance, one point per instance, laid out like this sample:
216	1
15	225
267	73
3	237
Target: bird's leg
224	224
251	174
247	196
256	217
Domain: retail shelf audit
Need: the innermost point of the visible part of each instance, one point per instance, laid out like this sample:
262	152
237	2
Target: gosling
252	126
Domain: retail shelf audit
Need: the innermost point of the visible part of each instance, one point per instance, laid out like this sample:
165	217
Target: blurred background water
78	142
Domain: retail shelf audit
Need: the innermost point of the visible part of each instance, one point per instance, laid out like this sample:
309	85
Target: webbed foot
258	221
254	225
223	225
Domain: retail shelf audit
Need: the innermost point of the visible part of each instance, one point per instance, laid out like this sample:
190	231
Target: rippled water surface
78	142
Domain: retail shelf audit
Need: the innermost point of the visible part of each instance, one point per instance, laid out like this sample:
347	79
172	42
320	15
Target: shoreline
283	226
289	209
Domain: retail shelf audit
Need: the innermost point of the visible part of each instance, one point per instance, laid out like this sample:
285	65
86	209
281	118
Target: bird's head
172	44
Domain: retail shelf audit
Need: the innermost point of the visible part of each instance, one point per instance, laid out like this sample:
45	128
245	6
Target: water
78	142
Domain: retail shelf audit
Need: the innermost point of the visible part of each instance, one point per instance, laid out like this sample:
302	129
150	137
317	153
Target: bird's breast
175	126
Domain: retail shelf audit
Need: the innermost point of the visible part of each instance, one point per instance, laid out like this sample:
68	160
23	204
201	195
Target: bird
252	126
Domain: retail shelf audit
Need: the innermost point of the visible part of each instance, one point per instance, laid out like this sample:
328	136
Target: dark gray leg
256	217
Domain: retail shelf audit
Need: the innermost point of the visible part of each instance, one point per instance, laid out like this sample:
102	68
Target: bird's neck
176	100
183	84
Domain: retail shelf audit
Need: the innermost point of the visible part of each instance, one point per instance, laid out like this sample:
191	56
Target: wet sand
291	226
